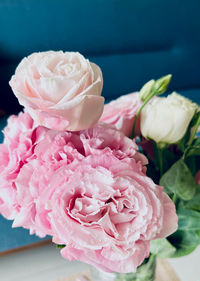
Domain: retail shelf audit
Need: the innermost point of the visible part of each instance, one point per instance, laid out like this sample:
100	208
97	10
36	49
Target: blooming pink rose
197	177
121	113
87	189
60	90
106	211
105	136
14	153
53	150
37	153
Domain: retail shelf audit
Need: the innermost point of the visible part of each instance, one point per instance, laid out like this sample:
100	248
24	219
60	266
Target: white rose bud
161	84
153	88
147	89
166	120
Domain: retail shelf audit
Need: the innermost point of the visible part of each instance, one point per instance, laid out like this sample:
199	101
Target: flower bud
161	84
166	120
146	89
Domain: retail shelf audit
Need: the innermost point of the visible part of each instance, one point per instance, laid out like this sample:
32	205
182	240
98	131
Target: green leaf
179	180
185	242
192	156
164	158
192	163
188	220
194	149
194	203
162	248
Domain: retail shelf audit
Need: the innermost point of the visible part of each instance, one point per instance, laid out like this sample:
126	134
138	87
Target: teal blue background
132	41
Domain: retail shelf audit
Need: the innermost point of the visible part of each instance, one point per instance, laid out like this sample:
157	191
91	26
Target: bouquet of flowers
115	186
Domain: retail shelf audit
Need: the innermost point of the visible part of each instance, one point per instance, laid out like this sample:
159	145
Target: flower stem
174	198
160	160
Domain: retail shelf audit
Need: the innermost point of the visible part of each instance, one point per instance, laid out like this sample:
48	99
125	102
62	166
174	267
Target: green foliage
194	149
179	184
194	203
188	220
187	238
175	167
165	157
162	248
184	241
179	180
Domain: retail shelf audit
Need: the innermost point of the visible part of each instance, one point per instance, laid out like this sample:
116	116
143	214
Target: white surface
188	267
46	264
40	264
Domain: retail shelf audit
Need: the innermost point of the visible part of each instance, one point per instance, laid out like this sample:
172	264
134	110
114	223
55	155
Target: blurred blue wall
131	40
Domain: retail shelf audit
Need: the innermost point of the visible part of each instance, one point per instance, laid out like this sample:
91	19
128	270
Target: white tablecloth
46	264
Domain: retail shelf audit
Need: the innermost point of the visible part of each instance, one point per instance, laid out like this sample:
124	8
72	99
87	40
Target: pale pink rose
87	189
197	177
53	150
61	91
106	211
50	150
31	182
105	136
14	153
121	113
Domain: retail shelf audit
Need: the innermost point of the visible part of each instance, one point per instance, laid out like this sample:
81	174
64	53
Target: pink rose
14	153
60	90
121	113
32	179
105	136
33	155
106	211
53	150
88	189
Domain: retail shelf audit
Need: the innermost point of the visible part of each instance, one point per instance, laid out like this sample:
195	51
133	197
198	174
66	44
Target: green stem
160	160
138	113
174	198
194	131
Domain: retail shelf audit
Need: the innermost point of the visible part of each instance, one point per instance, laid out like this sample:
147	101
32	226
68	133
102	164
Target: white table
46	264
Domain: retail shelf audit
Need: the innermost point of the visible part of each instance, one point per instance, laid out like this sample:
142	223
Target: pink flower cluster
87	189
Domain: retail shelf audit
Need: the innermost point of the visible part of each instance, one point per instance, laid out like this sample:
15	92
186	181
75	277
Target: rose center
85	210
